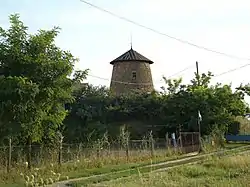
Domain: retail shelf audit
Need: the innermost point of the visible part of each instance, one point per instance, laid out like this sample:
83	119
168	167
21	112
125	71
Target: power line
232	70
121	82
185	69
163	34
147	83
189	67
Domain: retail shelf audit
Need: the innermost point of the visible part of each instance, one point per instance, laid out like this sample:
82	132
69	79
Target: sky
97	38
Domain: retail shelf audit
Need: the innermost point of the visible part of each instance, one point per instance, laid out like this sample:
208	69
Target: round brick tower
131	72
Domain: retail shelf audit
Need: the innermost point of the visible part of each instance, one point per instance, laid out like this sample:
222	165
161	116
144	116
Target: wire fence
13	156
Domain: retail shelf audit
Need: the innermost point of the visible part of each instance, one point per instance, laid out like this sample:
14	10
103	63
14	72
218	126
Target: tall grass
50	172
79	161
101	156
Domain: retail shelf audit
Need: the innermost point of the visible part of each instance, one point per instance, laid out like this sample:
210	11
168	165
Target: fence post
181	144
60	154
29	142
151	140
127	149
9	156
60	137
166	137
98	148
192	142
41	154
79	153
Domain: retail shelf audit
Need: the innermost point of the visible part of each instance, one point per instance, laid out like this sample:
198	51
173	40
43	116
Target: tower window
133	75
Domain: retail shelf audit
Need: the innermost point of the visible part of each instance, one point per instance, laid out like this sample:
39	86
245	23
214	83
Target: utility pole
131	40
198	112
197	73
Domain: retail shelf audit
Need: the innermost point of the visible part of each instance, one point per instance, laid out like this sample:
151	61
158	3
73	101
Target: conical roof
131	55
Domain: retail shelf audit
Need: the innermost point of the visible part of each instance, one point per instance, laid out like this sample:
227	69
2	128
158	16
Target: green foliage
35	88
176	105
18	110
34	82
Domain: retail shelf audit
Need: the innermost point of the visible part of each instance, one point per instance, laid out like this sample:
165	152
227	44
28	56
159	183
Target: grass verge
85	168
133	171
227	172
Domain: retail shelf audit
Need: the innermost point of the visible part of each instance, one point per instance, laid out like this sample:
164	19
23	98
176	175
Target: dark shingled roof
131	55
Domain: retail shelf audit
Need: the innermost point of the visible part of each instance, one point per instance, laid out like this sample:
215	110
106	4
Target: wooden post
152	148
60	154
198	121
79	154
167	142
192	142
60	141
29	141
127	149
98	149
151	140
181	145
41	154
9	156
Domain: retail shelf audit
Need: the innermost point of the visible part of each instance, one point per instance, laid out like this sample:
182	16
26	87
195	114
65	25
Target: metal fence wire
43	154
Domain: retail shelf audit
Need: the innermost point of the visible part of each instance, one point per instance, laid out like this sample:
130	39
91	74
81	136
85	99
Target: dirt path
161	170
189	156
63	183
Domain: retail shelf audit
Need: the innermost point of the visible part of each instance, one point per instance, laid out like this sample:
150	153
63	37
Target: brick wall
122	71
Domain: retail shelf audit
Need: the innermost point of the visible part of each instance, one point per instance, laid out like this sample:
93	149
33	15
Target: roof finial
131	41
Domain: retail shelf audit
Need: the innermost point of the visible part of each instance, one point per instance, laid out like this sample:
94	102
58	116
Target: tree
35	84
96	110
87	117
18	111
172	86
